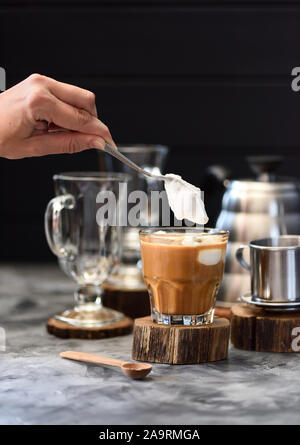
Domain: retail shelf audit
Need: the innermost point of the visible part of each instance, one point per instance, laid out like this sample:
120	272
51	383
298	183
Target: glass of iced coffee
183	269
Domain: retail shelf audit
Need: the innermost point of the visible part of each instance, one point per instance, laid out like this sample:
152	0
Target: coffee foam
187	239
207	239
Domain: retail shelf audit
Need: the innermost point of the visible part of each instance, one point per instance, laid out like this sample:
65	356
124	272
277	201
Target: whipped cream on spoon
184	198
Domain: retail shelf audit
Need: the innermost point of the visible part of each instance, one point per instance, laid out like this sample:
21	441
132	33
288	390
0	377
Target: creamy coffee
183	271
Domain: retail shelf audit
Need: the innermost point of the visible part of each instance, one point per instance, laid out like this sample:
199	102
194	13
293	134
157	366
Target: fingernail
95	111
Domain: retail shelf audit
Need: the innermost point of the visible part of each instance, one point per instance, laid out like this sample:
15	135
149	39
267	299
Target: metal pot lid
281	184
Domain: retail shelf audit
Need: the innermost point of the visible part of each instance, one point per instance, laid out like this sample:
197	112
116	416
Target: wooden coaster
179	345
223	312
131	302
64	330
255	329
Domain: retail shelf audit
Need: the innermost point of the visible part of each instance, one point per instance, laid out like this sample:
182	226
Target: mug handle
53	223
240	257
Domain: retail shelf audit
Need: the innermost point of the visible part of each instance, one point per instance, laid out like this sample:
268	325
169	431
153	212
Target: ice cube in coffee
183	270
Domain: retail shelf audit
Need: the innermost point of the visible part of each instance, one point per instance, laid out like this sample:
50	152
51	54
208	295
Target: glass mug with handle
87	248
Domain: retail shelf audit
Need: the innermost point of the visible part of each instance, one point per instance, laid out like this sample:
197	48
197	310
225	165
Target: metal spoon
112	151
130	369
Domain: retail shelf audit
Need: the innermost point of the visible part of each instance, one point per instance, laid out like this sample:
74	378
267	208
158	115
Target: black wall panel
209	79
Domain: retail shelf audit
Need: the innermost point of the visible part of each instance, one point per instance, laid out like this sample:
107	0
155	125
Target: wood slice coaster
179	345
255	329
223	312
131	302
64	330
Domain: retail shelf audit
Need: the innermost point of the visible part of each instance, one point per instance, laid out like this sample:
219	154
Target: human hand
40	116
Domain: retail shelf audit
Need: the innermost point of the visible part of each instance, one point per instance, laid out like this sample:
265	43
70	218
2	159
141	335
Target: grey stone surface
38	387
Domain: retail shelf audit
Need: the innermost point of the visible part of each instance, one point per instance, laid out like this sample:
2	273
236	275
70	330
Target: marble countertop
38	387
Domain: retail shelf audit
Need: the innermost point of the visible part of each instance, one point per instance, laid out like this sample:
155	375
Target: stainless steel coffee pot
253	209
274	268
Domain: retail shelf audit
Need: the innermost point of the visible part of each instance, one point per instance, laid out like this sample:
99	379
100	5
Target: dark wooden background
211	79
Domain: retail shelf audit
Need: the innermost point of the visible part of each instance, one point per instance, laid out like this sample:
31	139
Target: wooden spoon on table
131	369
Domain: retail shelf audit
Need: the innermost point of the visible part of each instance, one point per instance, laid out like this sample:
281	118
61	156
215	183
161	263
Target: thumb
62	142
